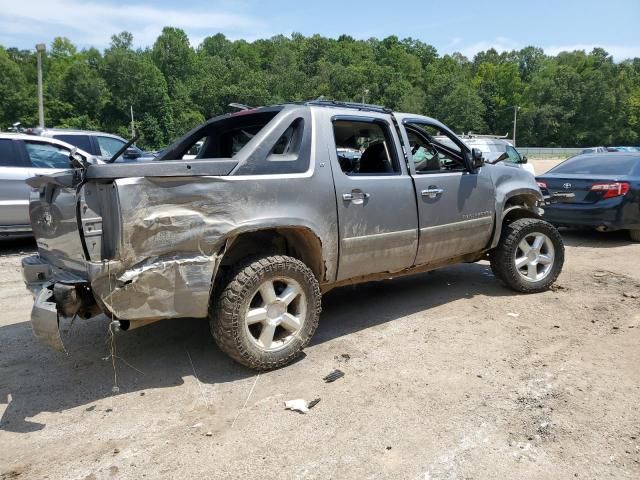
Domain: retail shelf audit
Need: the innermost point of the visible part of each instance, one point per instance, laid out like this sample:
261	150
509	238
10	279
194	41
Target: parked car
599	190
266	218
101	145
498	149
593	150
21	157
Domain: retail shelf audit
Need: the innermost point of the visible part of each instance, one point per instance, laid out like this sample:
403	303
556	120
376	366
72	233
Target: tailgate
66	225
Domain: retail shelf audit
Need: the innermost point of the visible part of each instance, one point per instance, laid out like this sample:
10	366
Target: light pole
365	92
515	122
40	48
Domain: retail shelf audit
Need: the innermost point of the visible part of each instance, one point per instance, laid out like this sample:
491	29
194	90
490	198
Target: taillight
611	190
542	185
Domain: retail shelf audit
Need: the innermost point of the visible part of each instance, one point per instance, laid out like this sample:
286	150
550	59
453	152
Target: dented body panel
147	240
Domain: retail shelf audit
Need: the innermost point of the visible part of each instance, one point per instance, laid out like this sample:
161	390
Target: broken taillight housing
611	190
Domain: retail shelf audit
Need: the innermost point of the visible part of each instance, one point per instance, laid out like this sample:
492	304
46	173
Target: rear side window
83	142
46	155
365	147
598	165
9	154
109	146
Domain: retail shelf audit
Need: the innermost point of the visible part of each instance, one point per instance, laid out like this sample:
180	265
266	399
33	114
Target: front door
377	217
455	207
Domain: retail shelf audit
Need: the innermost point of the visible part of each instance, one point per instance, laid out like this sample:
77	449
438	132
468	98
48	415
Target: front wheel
530	255
267	312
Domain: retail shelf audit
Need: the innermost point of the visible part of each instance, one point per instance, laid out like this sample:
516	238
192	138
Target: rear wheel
267	312
530	255
635	235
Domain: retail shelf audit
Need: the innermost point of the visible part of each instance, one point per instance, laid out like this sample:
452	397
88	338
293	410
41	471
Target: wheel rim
534	257
276	313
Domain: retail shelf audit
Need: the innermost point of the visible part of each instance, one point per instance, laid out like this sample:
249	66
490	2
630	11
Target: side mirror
131	153
524	159
477	159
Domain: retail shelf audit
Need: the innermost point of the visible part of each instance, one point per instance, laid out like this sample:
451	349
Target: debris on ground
333	376
630	295
300	405
514	315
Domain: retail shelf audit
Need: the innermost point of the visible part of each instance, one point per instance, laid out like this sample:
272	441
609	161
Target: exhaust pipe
126	325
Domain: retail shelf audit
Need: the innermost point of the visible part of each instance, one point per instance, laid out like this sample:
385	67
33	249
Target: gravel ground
447	375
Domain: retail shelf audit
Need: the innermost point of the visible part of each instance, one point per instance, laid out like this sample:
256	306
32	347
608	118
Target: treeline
572	99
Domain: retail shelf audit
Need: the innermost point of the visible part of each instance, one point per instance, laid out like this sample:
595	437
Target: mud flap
45	319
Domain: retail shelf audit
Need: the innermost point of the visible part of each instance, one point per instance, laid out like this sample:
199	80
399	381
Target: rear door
455	207
14	192
377	218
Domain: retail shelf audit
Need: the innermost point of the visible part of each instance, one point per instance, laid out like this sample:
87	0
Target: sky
451	26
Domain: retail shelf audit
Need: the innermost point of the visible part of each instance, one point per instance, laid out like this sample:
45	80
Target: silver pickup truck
280	204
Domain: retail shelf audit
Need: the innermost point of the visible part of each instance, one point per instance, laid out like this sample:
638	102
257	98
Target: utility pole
515	122
365	92
40	47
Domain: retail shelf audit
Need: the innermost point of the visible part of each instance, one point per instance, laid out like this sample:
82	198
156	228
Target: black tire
503	257
227	312
635	235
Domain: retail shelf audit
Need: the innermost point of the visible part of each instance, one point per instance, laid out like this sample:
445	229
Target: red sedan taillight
610	190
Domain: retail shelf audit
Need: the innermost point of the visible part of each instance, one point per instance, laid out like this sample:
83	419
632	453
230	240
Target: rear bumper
45	320
40	279
615	215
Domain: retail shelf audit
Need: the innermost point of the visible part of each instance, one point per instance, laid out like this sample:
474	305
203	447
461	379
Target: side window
109	146
83	142
433	150
365	148
9	156
47	155
513	155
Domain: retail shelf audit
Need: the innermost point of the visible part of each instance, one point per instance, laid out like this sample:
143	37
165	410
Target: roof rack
477	135
356	106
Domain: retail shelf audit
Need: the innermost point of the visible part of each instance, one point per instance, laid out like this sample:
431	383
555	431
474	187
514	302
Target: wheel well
520	206
296	242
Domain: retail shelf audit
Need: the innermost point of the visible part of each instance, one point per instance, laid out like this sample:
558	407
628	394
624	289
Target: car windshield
598	165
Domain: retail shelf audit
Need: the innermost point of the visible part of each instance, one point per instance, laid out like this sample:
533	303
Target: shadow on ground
595	239
17	246
36	379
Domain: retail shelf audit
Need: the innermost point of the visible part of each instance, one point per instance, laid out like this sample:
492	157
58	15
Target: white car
21	157
498	149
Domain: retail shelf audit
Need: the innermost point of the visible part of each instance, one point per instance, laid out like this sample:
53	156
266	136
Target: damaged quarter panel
174	229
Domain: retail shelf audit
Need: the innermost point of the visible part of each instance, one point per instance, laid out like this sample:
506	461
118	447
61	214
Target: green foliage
572	99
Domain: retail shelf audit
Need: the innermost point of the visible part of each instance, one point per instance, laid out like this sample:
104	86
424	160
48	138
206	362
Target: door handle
432	192
355	197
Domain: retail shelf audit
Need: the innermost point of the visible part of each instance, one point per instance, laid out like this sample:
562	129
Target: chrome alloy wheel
534	257
276	313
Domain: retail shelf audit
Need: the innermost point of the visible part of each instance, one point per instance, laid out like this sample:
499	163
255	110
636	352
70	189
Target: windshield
598	165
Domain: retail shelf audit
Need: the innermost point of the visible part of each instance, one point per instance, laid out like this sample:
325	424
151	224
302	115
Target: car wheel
635	235
530	255
267	312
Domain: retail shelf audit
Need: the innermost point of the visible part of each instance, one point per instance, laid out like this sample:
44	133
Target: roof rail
356	106
477	135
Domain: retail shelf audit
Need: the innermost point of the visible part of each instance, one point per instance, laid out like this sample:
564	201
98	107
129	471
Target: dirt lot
447	375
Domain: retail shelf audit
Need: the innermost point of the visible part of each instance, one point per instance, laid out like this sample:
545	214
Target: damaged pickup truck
280	204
